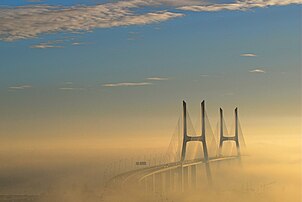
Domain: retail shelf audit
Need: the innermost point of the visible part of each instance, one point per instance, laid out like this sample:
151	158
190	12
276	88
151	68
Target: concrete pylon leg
221	132
185	136
237	131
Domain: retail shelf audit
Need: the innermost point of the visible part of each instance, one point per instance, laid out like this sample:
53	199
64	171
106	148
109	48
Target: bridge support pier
193	177
179	185
185	178
153	182
208	172
159	182
145	184
172	182
168	181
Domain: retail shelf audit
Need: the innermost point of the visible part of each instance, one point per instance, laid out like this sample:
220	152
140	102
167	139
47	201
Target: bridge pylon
229	138
187	138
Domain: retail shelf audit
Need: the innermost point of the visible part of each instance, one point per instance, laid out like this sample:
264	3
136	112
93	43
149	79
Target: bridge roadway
138	175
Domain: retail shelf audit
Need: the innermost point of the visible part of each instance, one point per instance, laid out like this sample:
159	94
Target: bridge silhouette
180	168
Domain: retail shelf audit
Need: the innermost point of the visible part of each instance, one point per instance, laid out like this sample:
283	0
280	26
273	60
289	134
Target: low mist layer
271	171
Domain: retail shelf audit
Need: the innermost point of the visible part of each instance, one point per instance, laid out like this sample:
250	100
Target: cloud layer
25	22
127	84
21	87
157	78
71	88
30	21
239	5
44	45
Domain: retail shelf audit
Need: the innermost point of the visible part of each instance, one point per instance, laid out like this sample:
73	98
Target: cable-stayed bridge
184	164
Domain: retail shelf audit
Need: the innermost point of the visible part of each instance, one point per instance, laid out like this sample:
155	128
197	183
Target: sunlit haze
90	89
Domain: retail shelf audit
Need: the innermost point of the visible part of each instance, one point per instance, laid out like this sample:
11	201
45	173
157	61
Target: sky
117	71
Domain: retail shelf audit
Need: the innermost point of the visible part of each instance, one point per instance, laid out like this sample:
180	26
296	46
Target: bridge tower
201	138
227	138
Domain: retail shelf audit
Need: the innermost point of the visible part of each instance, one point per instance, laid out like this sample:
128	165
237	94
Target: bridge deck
140	174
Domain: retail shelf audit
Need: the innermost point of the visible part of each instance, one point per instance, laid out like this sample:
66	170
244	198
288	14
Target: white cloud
21	87
78	43
248	55
158	78
59	43
71	88
257	71
127	84
43	46
204	75
30	21
49	44
239	5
